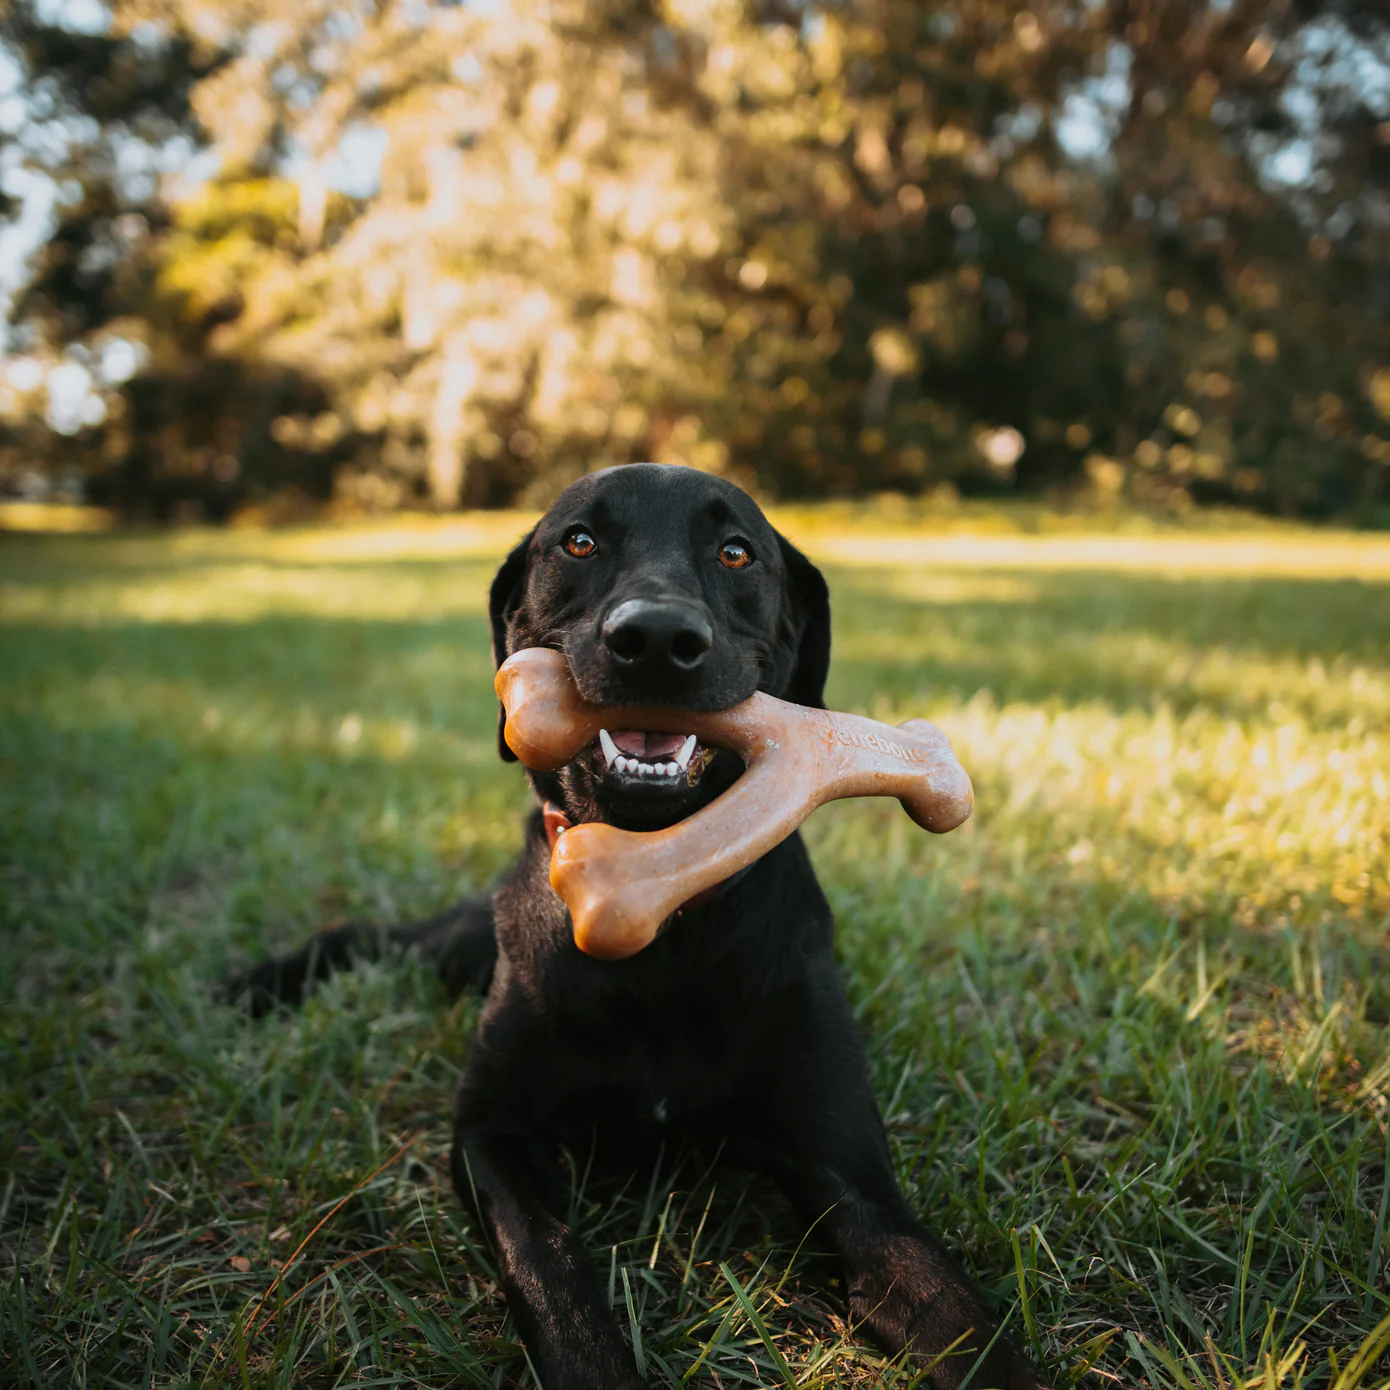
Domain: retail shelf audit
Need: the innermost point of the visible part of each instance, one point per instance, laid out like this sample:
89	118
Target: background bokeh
265	256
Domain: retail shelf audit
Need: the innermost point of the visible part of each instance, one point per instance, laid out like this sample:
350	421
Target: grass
1131	1025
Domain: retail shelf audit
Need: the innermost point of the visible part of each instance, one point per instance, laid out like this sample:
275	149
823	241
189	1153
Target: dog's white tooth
610	749
620	763
645	769
687	748
671	769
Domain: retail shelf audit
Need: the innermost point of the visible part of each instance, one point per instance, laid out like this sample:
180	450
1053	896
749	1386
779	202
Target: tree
460	254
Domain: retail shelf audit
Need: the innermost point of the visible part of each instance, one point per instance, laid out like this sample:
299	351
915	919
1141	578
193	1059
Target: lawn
1131	1025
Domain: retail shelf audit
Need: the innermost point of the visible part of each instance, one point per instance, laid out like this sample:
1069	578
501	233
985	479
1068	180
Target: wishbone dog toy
621	885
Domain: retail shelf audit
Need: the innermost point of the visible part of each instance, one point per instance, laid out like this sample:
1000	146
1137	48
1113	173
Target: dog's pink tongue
637	744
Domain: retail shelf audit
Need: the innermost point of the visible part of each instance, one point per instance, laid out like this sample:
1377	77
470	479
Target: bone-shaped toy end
543	708
614	915
947	799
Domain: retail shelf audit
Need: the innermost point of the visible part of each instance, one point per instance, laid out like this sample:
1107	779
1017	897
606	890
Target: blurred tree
115	380
419	252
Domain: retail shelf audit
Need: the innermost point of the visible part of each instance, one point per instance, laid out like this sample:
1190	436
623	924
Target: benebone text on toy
621	885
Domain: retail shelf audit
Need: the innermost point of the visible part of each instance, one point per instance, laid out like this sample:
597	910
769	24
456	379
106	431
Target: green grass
1131	1025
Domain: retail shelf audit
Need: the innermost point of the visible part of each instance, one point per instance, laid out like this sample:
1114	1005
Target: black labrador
665	585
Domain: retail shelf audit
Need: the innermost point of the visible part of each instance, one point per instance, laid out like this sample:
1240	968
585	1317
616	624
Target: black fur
733	1025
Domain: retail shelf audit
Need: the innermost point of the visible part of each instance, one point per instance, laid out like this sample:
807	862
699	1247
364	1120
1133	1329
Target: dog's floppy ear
504	598
810	599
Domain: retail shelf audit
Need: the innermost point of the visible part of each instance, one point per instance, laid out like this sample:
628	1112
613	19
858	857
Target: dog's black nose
648	633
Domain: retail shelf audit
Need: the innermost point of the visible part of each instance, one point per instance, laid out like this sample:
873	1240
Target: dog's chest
691	1082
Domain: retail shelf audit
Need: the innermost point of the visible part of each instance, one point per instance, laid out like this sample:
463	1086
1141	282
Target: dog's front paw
1003	1368
953	1347
948	1330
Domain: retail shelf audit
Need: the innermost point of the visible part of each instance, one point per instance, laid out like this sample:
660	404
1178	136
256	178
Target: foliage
464	253
1130	1026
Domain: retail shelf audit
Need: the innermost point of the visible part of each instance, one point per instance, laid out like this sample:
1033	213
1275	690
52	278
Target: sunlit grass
1131	1025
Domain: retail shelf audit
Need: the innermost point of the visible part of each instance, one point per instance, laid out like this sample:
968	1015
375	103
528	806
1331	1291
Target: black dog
664	585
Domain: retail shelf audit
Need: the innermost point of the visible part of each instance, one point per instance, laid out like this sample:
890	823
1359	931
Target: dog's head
666	586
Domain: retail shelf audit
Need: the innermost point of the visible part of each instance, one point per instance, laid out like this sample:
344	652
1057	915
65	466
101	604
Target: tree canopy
406	252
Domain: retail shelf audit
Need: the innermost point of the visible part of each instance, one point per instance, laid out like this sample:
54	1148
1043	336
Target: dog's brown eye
735	555
580	543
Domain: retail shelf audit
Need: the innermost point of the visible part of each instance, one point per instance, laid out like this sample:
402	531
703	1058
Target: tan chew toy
621	885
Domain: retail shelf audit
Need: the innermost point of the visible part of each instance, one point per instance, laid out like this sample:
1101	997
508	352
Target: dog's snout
650	633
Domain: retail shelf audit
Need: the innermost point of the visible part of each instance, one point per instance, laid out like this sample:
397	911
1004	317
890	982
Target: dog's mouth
630	758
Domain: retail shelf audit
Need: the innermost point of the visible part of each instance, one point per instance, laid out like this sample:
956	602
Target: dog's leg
827	1145
460	943
553	1289
904	1289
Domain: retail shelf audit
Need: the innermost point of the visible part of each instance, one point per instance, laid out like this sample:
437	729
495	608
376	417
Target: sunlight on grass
1130	1025
1307	555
